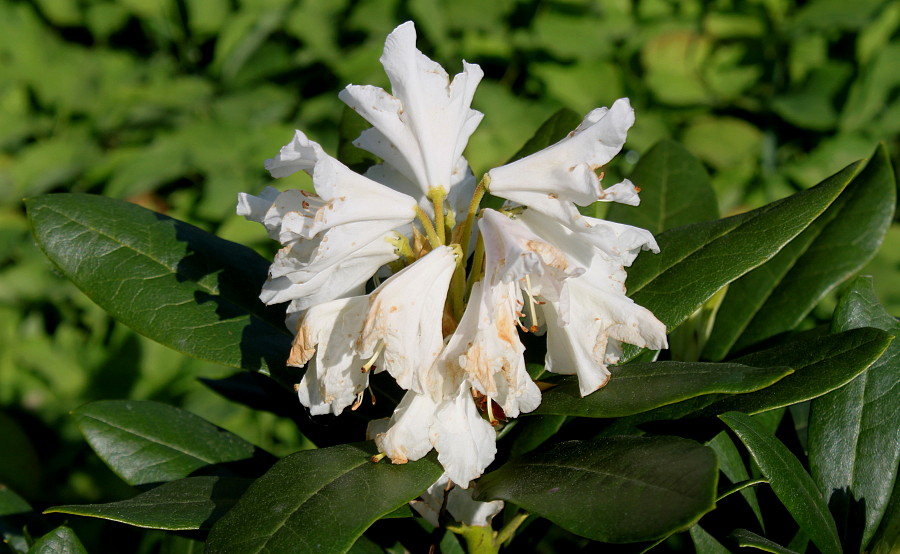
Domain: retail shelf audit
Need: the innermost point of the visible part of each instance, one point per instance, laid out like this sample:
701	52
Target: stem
437	196
477	266
509	530
470	215
433	238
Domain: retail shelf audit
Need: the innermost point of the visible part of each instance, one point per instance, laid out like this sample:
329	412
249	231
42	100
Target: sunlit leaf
854	438
148	442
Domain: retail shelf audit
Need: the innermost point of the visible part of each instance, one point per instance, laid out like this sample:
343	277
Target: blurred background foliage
174	104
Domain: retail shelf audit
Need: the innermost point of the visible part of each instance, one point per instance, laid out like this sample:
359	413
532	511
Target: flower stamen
371	363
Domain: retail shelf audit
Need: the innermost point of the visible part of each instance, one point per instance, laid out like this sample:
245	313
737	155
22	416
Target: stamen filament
368	365
437	196
433	238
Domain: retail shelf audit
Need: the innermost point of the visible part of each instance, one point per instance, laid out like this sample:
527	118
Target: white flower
465	442
333	379
554	178
403	327
457	501
600	318
422	129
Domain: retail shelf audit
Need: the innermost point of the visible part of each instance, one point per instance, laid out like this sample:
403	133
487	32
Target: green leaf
820	364
675	190
167	280
61	540
21	471
704	543
790	482
636	388
319	500
697	260
616	489
191	503
749	539
732	465
148	442
854	438
776	296
887	538
15	515
531	432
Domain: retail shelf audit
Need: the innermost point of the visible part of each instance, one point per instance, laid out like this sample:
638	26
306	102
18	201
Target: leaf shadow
850	516
231	276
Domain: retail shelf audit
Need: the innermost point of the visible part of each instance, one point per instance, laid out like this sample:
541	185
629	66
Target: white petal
563	173
331	273
405	316
301	154
600	314
486	350
407	437
471	512
465	442
329	331
459	504
424	126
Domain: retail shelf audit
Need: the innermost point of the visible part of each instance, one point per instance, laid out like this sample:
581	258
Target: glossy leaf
732	465
166	279
191	503
790	482
636	388
148	442
319	500
616	489
61	540
776	296
675	190
750	539
854	436
697	260
820	364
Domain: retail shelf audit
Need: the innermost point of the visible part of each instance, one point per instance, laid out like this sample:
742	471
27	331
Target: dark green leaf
854	436
15	516
776	296
148	442
749	539
675	190
732	465
532	432
793	486
697	260
616	489
319	500
168	280
887	538
704	543
636	388
61	540
191	503
820	364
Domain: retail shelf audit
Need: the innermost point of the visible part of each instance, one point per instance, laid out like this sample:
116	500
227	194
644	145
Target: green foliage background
174	104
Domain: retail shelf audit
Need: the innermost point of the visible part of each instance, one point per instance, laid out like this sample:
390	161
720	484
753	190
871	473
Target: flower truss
445	329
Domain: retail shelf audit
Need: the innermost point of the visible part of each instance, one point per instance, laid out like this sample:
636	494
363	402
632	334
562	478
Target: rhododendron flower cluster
456	284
